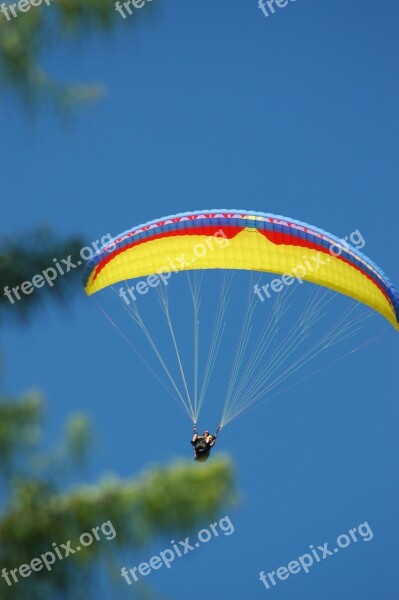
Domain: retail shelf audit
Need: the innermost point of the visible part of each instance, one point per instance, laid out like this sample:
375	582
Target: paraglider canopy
243	240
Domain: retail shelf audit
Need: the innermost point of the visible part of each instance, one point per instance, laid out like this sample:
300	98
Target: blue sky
214	105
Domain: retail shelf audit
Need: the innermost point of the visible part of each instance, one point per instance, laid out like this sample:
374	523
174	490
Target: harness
201	447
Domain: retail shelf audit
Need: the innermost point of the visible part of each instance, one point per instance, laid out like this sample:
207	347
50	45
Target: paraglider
203	444
265	353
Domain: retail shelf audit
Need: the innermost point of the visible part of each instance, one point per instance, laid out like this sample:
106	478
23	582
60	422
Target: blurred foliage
24	39
164	501
23	258
18	428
